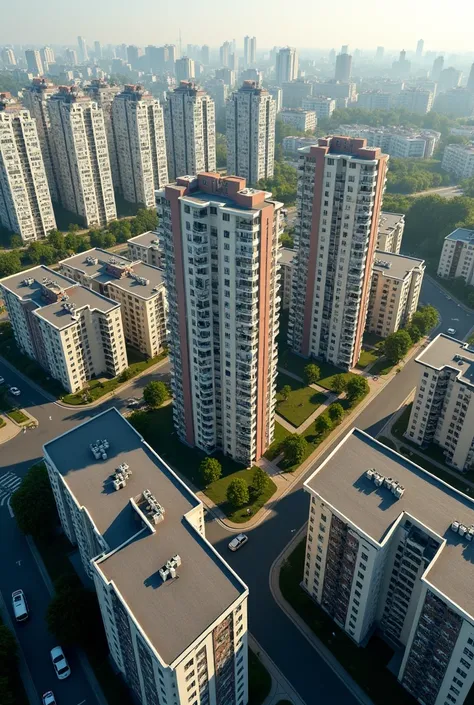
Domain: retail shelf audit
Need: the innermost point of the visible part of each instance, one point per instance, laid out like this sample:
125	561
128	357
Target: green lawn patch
2	422
280	434
367	356
17	415
217	492
367	666
291	362
328	372
301	403
372	339
260	681
382	367
400	425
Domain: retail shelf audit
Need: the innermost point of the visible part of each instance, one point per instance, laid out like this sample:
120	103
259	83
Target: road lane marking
9	483
12	513
81	703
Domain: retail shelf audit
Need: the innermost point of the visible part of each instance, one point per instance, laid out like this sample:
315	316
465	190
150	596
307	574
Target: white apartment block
174	612
322	106
25	201
397	142
301	120
103	94
340	188
457	256
185	69
190	127
286	65
394	292
287	257
458	159
36	99
292	145
415	100
221	244
250	132
389	548
81	157
374	100
138	288
8	57
72	332
33	61
139	130
443	410
390	234
146	247
344	93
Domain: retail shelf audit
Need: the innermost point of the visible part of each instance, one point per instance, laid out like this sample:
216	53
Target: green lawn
301	403
280	434
367	666
291	362
217	492
382	367
372	339
260	681
17	415
367	356
328	372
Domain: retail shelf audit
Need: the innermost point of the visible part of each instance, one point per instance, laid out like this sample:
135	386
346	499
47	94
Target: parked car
238	541
133	402
48	698
20	606
15	391
451	331
2	381
60	663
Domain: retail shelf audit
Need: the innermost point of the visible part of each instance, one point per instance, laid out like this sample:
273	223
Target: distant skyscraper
286	65
103	94
449	78
184	69
250	119
97	50
8	57
345	49
139	131
335	252
205	54
71	57
332	56
36	99
343	68
25	201
132	56
438	64
81	156
83	54
34	63
379	53
250	51
470	80
47	57
190	131
224	53
223	312
401	68
419	48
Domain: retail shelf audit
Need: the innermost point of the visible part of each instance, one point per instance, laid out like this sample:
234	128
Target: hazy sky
304	23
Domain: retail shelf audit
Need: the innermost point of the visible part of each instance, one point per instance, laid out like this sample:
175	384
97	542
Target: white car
132	402
15	391
238	542
451	331
48	698
20	606
60	664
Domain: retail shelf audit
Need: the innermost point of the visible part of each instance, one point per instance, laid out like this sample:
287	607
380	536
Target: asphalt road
444	191
270	626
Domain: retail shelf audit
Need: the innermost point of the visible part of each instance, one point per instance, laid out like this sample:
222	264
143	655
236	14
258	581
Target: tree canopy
155	393
294	448
357	387
259	482
282	184
312	373
238	492
33	503
211	470
397	345
73	614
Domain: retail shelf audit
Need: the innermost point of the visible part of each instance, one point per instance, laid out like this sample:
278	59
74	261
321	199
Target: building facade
457	256
301	120
385	538
185	640
139	129
146	247
103	94
286	276
457	102
221	244
72	332
190	127
415	100
36	100
390	234
185	69
291	144
81	155
294	92
343	67
250	133
340	189
443	410
322	106
286	65
394	292
374	100
25	201
33	61
458	159
397	142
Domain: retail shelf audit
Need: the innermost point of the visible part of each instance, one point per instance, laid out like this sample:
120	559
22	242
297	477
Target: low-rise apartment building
398	142
292	144
322	106
138	288
457	256
147	248
458	159
415	100
443	408
391	227
389	548
174	612
287	257
301	120
72	332
374	100
394	292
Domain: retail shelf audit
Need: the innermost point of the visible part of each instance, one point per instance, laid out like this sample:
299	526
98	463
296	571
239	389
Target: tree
16	241
339	383
282	184
10	263
73	614
336	412
33	503
312	373
211	470
397	345
238	492
357	387
259	482
155	393
294	448
56	239
287	239
414	332
221	151
285	392
322	424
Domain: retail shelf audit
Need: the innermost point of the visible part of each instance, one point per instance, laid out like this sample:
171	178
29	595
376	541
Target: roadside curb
27	379
305	630
8	424
25	674
281	688
448	293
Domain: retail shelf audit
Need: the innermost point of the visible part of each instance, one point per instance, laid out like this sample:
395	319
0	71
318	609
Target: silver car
238	541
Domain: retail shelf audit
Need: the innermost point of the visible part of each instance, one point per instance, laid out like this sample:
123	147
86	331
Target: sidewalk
9	431
281	687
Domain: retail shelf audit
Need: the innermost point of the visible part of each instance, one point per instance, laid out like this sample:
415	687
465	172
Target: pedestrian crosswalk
8	484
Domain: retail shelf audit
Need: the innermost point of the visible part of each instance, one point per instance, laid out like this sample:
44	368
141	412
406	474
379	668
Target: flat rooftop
398	265
146	273
201	197
445	351
27	285
389	221
81	297
174	613
341	482
287	255
461	235
145	239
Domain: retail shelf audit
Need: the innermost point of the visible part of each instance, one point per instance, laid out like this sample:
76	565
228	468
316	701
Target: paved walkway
9	431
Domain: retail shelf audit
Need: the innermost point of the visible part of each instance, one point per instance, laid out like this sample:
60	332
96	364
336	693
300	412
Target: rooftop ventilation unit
99	449
91	260
69	306
382	263
121	476
153	508
466	532
380	481
169	569
27	282
139	280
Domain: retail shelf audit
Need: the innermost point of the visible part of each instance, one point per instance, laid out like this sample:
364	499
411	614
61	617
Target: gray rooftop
389	221
82	297
152	275
340	481
172	614
27	285
145	239
287	255
399	265
445	351
461	235
95	270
